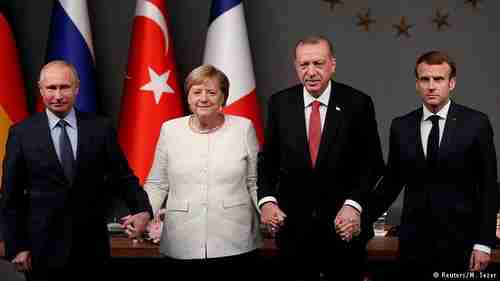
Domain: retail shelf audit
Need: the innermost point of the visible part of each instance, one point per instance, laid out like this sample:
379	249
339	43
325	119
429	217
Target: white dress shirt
426	125
323	99
425	130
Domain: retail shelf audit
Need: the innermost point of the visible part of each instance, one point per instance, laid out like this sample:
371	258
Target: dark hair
313	40
434	58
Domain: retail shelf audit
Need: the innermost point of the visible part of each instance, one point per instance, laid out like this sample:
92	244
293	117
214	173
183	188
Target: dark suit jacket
46	214
448	209
349	159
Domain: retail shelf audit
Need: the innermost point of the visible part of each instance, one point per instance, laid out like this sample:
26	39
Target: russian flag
228	49
70	39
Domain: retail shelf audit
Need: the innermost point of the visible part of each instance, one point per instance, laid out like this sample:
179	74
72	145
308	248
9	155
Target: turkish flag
13	106
151	93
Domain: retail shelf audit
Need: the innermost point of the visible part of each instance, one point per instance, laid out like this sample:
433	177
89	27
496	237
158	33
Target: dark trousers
425	259
230	268
320	254
447	265
76	268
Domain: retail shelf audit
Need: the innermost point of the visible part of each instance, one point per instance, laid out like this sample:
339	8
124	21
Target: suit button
314	214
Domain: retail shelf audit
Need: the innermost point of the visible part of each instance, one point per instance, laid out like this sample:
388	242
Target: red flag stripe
12	97
248	106
152	94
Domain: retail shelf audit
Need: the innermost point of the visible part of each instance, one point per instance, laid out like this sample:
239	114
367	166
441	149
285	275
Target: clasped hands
272	217
348	223
135	225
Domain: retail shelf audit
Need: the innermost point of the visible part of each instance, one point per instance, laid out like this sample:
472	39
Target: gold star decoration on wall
441	20
403	27
333	3
473	3
365	20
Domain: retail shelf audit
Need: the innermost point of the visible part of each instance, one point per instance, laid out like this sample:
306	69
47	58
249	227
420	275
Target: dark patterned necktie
433	142
66	151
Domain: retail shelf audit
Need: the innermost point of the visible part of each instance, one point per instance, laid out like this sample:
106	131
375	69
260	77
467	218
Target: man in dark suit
60	170
444	154
320	159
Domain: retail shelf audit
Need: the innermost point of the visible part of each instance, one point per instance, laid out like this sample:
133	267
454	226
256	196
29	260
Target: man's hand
155	226
479	260
135	225
22	261
348	223
272	217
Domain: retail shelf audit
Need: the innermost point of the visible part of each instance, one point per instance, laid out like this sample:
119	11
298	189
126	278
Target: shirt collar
324	98
53	119
443	113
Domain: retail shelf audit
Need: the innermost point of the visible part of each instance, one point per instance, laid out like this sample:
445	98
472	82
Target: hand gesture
135	225
348	223
22	261
272	217
479	260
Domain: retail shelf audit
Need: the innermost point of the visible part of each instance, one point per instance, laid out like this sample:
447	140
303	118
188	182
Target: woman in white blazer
205	169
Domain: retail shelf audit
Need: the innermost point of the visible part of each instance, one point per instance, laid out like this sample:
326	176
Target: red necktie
314	131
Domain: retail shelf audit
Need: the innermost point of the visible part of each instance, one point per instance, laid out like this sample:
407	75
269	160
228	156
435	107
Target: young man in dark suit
60	170
444	154
321	157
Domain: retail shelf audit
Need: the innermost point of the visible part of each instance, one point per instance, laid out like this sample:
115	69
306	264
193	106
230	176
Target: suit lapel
449	132
46	145
84	136
298	123
416	134
333	120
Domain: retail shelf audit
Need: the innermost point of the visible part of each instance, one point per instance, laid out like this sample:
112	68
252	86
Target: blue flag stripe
67	43
221	6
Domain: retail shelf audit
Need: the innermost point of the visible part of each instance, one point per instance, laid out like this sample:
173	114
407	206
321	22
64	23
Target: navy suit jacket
44	213
448	209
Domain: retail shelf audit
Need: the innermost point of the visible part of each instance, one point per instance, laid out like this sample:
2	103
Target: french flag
228	49
70	39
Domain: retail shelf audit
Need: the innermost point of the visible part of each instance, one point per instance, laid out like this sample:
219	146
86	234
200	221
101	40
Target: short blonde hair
200	74
74	73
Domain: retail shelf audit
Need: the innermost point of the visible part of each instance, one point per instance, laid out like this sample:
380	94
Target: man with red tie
320	160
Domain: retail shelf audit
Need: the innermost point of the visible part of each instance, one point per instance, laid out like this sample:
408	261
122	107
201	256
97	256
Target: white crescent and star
158	82
151	11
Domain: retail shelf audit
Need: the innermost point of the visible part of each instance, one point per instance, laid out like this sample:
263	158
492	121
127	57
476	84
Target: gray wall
376	62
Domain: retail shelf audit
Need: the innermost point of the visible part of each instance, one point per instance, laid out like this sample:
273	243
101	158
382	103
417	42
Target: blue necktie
66	151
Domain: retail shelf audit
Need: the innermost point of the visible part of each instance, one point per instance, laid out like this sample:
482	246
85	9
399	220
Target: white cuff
482	248
267	199
354	204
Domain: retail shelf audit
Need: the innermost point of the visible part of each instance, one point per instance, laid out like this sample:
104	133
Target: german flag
13	107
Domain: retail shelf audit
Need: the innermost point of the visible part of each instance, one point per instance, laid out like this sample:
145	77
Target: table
131	259
378	249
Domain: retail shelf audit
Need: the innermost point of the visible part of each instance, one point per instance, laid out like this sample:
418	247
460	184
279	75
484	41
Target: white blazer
209	182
